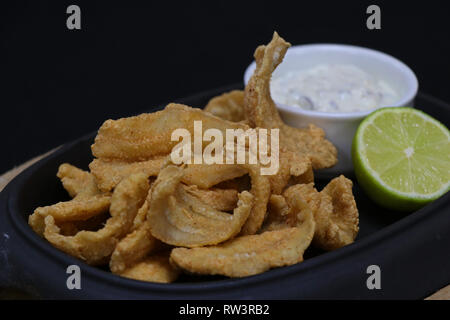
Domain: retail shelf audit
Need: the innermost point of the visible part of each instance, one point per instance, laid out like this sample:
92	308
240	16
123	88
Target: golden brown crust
155	268
148	135
261	111
218	199
335	212
134	247
178	218
96	247
228	106
88	201
251	254
108	173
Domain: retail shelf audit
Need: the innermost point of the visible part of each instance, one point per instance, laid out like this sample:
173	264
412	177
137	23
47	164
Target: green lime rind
376	189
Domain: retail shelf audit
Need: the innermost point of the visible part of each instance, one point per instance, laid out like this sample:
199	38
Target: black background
58	84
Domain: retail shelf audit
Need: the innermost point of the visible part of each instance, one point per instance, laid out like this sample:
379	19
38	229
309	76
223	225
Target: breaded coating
252	254
155	268
260	110
71	228
181	219
292	167
218	199
88	201
279	215
335	212
133	248
285	212
141	216
79	208
76	181
108	173
261	192
206	176
148	135
228	106
96	247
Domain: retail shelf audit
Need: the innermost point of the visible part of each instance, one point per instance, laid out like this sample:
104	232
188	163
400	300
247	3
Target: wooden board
443	294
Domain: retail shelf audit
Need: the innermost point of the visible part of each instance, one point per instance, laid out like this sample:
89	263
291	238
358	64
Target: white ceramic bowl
341	127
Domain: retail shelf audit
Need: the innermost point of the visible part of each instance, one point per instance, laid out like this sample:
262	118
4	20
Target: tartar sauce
332	88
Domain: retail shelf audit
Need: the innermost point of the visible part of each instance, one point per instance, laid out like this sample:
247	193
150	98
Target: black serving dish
411	250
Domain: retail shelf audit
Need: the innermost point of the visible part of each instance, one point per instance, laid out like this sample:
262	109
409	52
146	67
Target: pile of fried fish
151	220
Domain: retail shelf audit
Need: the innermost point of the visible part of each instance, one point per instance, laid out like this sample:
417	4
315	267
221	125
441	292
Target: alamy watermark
374	20
374	280
74	279
73	21
249	146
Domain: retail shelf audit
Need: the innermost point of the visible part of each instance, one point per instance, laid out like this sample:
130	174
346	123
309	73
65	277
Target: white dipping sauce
332	88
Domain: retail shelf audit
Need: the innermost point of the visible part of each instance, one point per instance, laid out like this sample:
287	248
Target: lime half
402	158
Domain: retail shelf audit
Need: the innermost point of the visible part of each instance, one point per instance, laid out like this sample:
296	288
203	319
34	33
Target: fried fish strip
141	216
228	106
145	136
261	192
73	227
108	173
88	200
261	112
252	254
279	215
180	219
79	208
335	212
285	212
218	199
155	268
76	181
133	248
96	247
206	176
291	167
